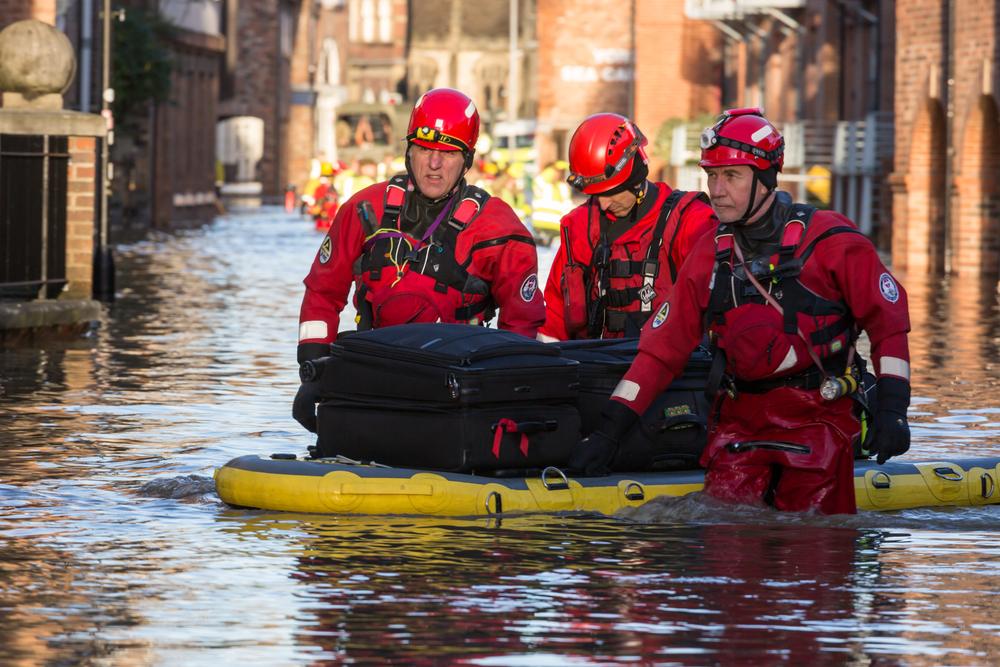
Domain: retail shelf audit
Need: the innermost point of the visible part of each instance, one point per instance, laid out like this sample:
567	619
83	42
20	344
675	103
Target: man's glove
304	406
892	433
592	455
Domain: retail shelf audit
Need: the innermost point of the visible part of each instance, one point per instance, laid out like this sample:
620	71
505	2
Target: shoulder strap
681	206
844	229
796	223
473	200
395	197
721	272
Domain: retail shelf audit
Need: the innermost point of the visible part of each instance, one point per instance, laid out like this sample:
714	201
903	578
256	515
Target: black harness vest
730	289
387	245
605	311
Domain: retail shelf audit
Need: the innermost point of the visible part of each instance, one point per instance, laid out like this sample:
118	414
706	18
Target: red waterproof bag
574	291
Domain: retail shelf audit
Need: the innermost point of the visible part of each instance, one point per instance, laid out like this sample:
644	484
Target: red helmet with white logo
743	136
444	119
602	152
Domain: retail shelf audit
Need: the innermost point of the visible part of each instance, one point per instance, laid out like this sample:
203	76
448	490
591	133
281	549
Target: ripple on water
115	549
183	486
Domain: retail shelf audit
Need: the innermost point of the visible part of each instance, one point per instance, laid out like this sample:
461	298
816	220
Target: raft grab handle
634	491
497	503
562	483
992	486
948	474
881	480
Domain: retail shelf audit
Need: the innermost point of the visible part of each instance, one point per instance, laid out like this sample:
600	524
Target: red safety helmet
743	136
601	153
444	119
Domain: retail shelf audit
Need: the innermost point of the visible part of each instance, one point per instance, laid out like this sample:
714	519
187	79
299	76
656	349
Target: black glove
892	433
592	455
304	406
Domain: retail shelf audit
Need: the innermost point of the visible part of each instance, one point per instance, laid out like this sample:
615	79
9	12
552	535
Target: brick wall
678	65
260	82
578	41
18	10
80	217
184	140
946	136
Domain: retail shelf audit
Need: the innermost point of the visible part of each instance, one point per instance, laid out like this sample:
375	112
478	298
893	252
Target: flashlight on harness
833	388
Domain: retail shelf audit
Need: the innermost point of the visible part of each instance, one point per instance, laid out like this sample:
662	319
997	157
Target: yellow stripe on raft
320	487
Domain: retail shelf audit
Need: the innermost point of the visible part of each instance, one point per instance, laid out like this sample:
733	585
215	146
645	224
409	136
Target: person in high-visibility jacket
551	199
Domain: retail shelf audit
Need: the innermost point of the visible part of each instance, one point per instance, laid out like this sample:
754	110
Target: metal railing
856	157
33	189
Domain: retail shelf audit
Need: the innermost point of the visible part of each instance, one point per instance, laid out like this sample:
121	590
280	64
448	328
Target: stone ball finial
37	63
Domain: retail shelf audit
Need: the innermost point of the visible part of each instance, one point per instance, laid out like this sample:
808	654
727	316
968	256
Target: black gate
32	216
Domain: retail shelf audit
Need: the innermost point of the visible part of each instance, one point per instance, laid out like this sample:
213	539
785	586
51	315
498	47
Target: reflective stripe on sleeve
313	329
626	390
894	366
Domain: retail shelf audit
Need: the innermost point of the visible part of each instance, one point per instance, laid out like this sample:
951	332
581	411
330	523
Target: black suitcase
448	397
672	433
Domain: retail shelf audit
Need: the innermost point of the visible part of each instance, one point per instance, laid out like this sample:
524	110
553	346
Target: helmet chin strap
751	209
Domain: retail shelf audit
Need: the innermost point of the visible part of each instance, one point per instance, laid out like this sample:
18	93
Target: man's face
729	188
435	172
617	205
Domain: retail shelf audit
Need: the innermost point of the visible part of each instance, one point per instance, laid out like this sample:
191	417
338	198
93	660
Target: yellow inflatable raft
324	486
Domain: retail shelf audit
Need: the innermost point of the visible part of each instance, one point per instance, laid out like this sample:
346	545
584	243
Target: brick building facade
18	10
946	183
467	46
261	37
644	59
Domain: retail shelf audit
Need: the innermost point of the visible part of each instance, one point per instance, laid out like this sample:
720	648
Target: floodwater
115	550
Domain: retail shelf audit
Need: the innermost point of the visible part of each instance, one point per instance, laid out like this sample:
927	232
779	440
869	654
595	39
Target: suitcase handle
506	425
529	427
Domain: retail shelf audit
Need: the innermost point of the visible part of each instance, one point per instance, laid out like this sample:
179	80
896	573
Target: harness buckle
650	268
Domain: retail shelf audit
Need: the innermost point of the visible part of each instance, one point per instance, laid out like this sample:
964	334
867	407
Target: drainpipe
631	81
86	50
104	266
948	39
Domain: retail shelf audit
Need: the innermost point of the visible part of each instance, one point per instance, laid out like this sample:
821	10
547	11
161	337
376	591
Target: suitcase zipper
410	354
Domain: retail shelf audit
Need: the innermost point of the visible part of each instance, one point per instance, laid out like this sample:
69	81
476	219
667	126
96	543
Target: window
370	21
385	21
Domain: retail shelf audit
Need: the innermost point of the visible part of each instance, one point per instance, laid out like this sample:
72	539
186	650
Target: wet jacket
621	288
455	272
842	268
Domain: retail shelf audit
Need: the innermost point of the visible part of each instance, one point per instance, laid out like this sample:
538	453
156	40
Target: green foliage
140	66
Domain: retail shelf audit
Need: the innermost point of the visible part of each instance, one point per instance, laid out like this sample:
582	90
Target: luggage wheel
563	482
881	480
634	491
987	491
497	503
948	474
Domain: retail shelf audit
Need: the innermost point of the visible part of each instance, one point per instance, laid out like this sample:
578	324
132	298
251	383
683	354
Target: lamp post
104	264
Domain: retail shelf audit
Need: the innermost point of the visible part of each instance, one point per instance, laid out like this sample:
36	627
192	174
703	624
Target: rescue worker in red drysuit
621	249
773	438
422	247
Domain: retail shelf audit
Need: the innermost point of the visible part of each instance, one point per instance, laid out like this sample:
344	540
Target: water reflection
113	551
605	592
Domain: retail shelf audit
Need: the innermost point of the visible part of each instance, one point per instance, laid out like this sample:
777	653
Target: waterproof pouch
574	291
